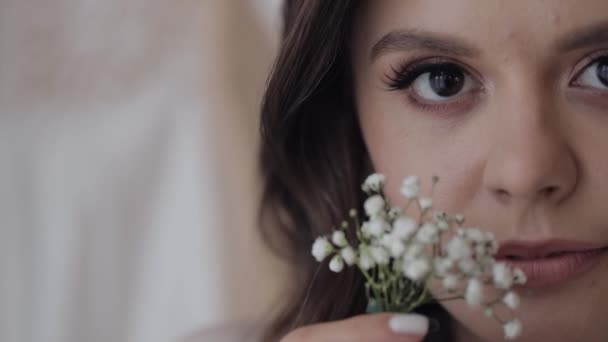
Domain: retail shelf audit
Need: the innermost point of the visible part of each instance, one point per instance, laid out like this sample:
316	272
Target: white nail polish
409	324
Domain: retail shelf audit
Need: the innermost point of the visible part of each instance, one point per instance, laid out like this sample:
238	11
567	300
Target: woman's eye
434	83
595	75
442	83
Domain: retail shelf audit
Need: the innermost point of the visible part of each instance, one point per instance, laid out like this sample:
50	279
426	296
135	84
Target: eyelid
409	66
586	62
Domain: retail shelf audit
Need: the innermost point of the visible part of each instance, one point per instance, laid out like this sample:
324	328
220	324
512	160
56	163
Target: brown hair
313	158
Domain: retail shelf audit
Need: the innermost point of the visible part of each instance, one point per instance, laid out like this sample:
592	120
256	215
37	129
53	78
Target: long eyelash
404	76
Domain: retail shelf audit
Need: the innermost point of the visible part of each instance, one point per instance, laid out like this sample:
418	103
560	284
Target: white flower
404	227
365	260
425	203
365	229
336	264
511	299
458	248
502	275
348	254
467	266
374	182
519	277
377	227
410	187
394	212
512	329
413	251
489	312
417	269
321	248
379	254
442	220
339	238
428	233
475	235
492	245
450	282
397	248
374	205
474	292
459	218
443	265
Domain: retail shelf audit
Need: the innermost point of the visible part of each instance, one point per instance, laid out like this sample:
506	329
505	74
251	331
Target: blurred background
128	184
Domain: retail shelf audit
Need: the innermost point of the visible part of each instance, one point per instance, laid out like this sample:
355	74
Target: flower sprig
400	256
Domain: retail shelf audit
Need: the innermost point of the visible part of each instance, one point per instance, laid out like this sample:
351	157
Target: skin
523	156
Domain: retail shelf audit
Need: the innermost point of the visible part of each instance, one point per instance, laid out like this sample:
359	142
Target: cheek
399	149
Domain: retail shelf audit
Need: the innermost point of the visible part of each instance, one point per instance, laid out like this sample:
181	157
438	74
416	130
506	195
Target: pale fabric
128	132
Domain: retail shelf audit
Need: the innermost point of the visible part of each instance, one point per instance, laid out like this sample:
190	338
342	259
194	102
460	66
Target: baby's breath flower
399	255
428	234
379	254
410	187
512	329
374	183
339	238
467	266
457	249
441	219
417	269
394	212
365	259
475	235
336	264
397	248
511	300
404	227
442	266
474	292
502	275
374	205
519	277
377	226
413	251
450	282
365	230
349	256
321	248
425	203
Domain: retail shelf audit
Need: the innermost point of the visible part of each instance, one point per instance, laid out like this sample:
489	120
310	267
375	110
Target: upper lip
542	248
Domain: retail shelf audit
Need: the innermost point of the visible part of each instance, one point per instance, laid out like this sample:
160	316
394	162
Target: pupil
602	71
448	80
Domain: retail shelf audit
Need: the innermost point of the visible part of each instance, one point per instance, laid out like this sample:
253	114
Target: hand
383	327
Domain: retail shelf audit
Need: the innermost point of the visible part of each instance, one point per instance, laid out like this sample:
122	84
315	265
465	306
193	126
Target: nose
530	160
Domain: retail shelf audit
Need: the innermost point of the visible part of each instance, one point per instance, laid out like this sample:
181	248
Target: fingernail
409	324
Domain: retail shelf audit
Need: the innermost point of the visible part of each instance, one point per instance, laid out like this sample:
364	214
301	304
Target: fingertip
409	324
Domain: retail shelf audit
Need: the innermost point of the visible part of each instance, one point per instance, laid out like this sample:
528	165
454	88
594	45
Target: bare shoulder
228	332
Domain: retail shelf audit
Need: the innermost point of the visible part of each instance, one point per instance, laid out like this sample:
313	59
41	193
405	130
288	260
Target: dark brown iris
448	80
602	71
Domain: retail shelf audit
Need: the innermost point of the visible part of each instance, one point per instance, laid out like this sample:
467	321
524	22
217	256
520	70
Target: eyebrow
588	36
407	40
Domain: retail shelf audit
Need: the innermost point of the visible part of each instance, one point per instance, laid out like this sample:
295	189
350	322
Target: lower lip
554	270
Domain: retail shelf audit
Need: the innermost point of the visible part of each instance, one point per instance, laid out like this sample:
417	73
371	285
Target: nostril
548	191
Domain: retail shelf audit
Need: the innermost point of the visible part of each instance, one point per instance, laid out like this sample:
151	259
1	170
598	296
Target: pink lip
552	261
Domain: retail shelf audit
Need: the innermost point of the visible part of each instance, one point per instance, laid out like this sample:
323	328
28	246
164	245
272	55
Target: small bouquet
399	256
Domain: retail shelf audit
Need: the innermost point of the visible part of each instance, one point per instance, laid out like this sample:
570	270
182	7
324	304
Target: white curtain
128	185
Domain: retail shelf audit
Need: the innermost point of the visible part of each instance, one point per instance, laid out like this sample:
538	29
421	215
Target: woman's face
507	102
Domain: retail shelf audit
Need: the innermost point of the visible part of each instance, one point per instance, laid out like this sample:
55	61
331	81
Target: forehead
505	25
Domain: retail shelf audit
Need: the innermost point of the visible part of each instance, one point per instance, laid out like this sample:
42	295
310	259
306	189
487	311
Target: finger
365	328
